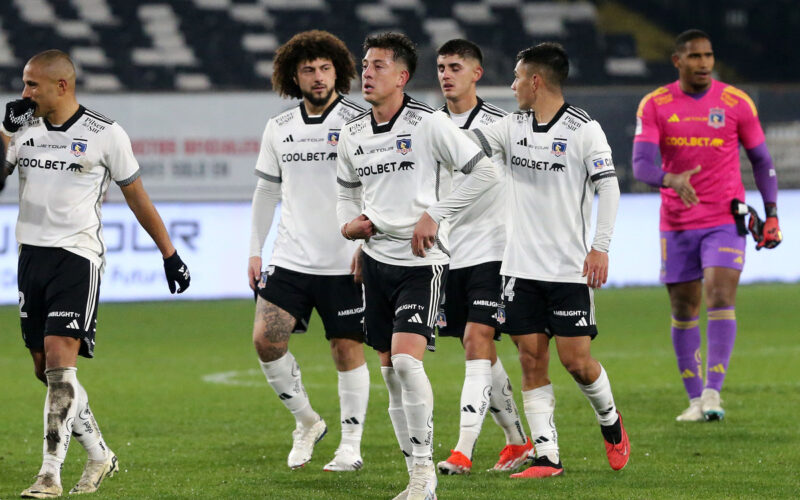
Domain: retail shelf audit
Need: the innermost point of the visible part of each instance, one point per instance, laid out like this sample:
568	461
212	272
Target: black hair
688	36
402	48
549	56
462	48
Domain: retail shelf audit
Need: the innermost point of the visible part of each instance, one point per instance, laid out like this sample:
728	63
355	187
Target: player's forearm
645	164
764	173
482	176
349	202
148	217
265	199
608	201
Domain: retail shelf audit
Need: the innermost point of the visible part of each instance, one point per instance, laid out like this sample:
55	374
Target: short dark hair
549	56
462	48
401	46
687	36
308	46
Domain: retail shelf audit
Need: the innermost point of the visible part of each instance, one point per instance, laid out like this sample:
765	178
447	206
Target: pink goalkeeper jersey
705	132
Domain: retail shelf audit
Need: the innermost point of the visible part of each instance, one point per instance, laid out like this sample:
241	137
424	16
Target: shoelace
419	479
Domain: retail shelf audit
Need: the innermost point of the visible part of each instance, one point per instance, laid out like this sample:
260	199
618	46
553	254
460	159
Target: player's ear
676	57
478	73
63	86
405	76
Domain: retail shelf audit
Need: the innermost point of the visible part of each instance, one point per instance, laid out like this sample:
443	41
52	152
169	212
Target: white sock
539	404
396	413
599	395
503	407
418	406
85	428
353	397
283	375
474	403
59	415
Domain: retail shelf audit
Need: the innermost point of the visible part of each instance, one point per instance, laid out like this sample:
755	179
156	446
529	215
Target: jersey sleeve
493	138
647	129
349	199
450	145
748	125
11	154
119	159
267	165
596	152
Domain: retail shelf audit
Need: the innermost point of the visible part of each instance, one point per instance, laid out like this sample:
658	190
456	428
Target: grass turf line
178	436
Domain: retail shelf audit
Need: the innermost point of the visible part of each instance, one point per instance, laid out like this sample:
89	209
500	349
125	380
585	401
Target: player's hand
254	272
17	113
355	266
424	236
772	234
360	228
176	272
595	268
681	184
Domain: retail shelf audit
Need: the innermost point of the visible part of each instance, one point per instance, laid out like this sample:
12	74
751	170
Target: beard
317	101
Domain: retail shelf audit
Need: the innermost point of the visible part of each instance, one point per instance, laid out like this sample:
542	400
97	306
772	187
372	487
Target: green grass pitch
179	435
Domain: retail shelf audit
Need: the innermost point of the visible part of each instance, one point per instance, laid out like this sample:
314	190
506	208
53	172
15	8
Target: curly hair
401	46
308	46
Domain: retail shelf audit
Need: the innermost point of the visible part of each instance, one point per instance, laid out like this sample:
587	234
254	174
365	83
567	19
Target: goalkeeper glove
17	113
771	235
176	272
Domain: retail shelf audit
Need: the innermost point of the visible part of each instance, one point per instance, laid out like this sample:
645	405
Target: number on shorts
508	288
22	314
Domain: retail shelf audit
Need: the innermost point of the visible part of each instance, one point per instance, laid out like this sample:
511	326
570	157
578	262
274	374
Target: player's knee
406	365
719	296
39	372
533	361
267	349
578	367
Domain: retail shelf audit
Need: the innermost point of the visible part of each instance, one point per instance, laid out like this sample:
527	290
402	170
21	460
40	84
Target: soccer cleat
457	463
346	458
619	453
513	455
304	440
46	486
694	413
403	495
712	405
541	467
94	473
423	482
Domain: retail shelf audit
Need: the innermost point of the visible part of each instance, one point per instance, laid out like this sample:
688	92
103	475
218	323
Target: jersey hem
551	279
474	262
420	262
310	270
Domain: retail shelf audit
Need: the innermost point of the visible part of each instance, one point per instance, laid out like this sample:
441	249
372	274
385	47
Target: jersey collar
471	116
546	128
316	120
379	129
67	124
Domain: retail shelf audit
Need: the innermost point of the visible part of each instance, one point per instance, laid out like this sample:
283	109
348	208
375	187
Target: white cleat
304	440
423	482
694	413
403	495
346	458
46	486
712	405
94	473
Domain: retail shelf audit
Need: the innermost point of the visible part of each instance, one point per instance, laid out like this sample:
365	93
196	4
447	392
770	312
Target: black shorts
58	295
562	309
400	299
472	295
338	300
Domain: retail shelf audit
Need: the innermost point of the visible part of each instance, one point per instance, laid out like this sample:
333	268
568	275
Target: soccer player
697	123
310	264
395	173
67	156
471	297
558	158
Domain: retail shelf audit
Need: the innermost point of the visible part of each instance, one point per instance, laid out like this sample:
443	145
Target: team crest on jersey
404	146
599	163
333	137
78	149
441	319
716	117
559	148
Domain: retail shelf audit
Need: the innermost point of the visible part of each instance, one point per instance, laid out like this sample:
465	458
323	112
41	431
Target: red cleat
513	455
457	463
619	453
542	467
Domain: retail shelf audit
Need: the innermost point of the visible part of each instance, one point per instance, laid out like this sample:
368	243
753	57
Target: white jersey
555	168
478	232
299	152
405	166
64	172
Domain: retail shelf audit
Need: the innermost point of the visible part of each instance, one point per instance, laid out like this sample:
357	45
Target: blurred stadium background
189	81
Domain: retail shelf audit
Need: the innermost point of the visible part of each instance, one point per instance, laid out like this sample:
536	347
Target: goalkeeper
697	124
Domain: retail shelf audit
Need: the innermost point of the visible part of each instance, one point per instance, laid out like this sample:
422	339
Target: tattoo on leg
277	328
